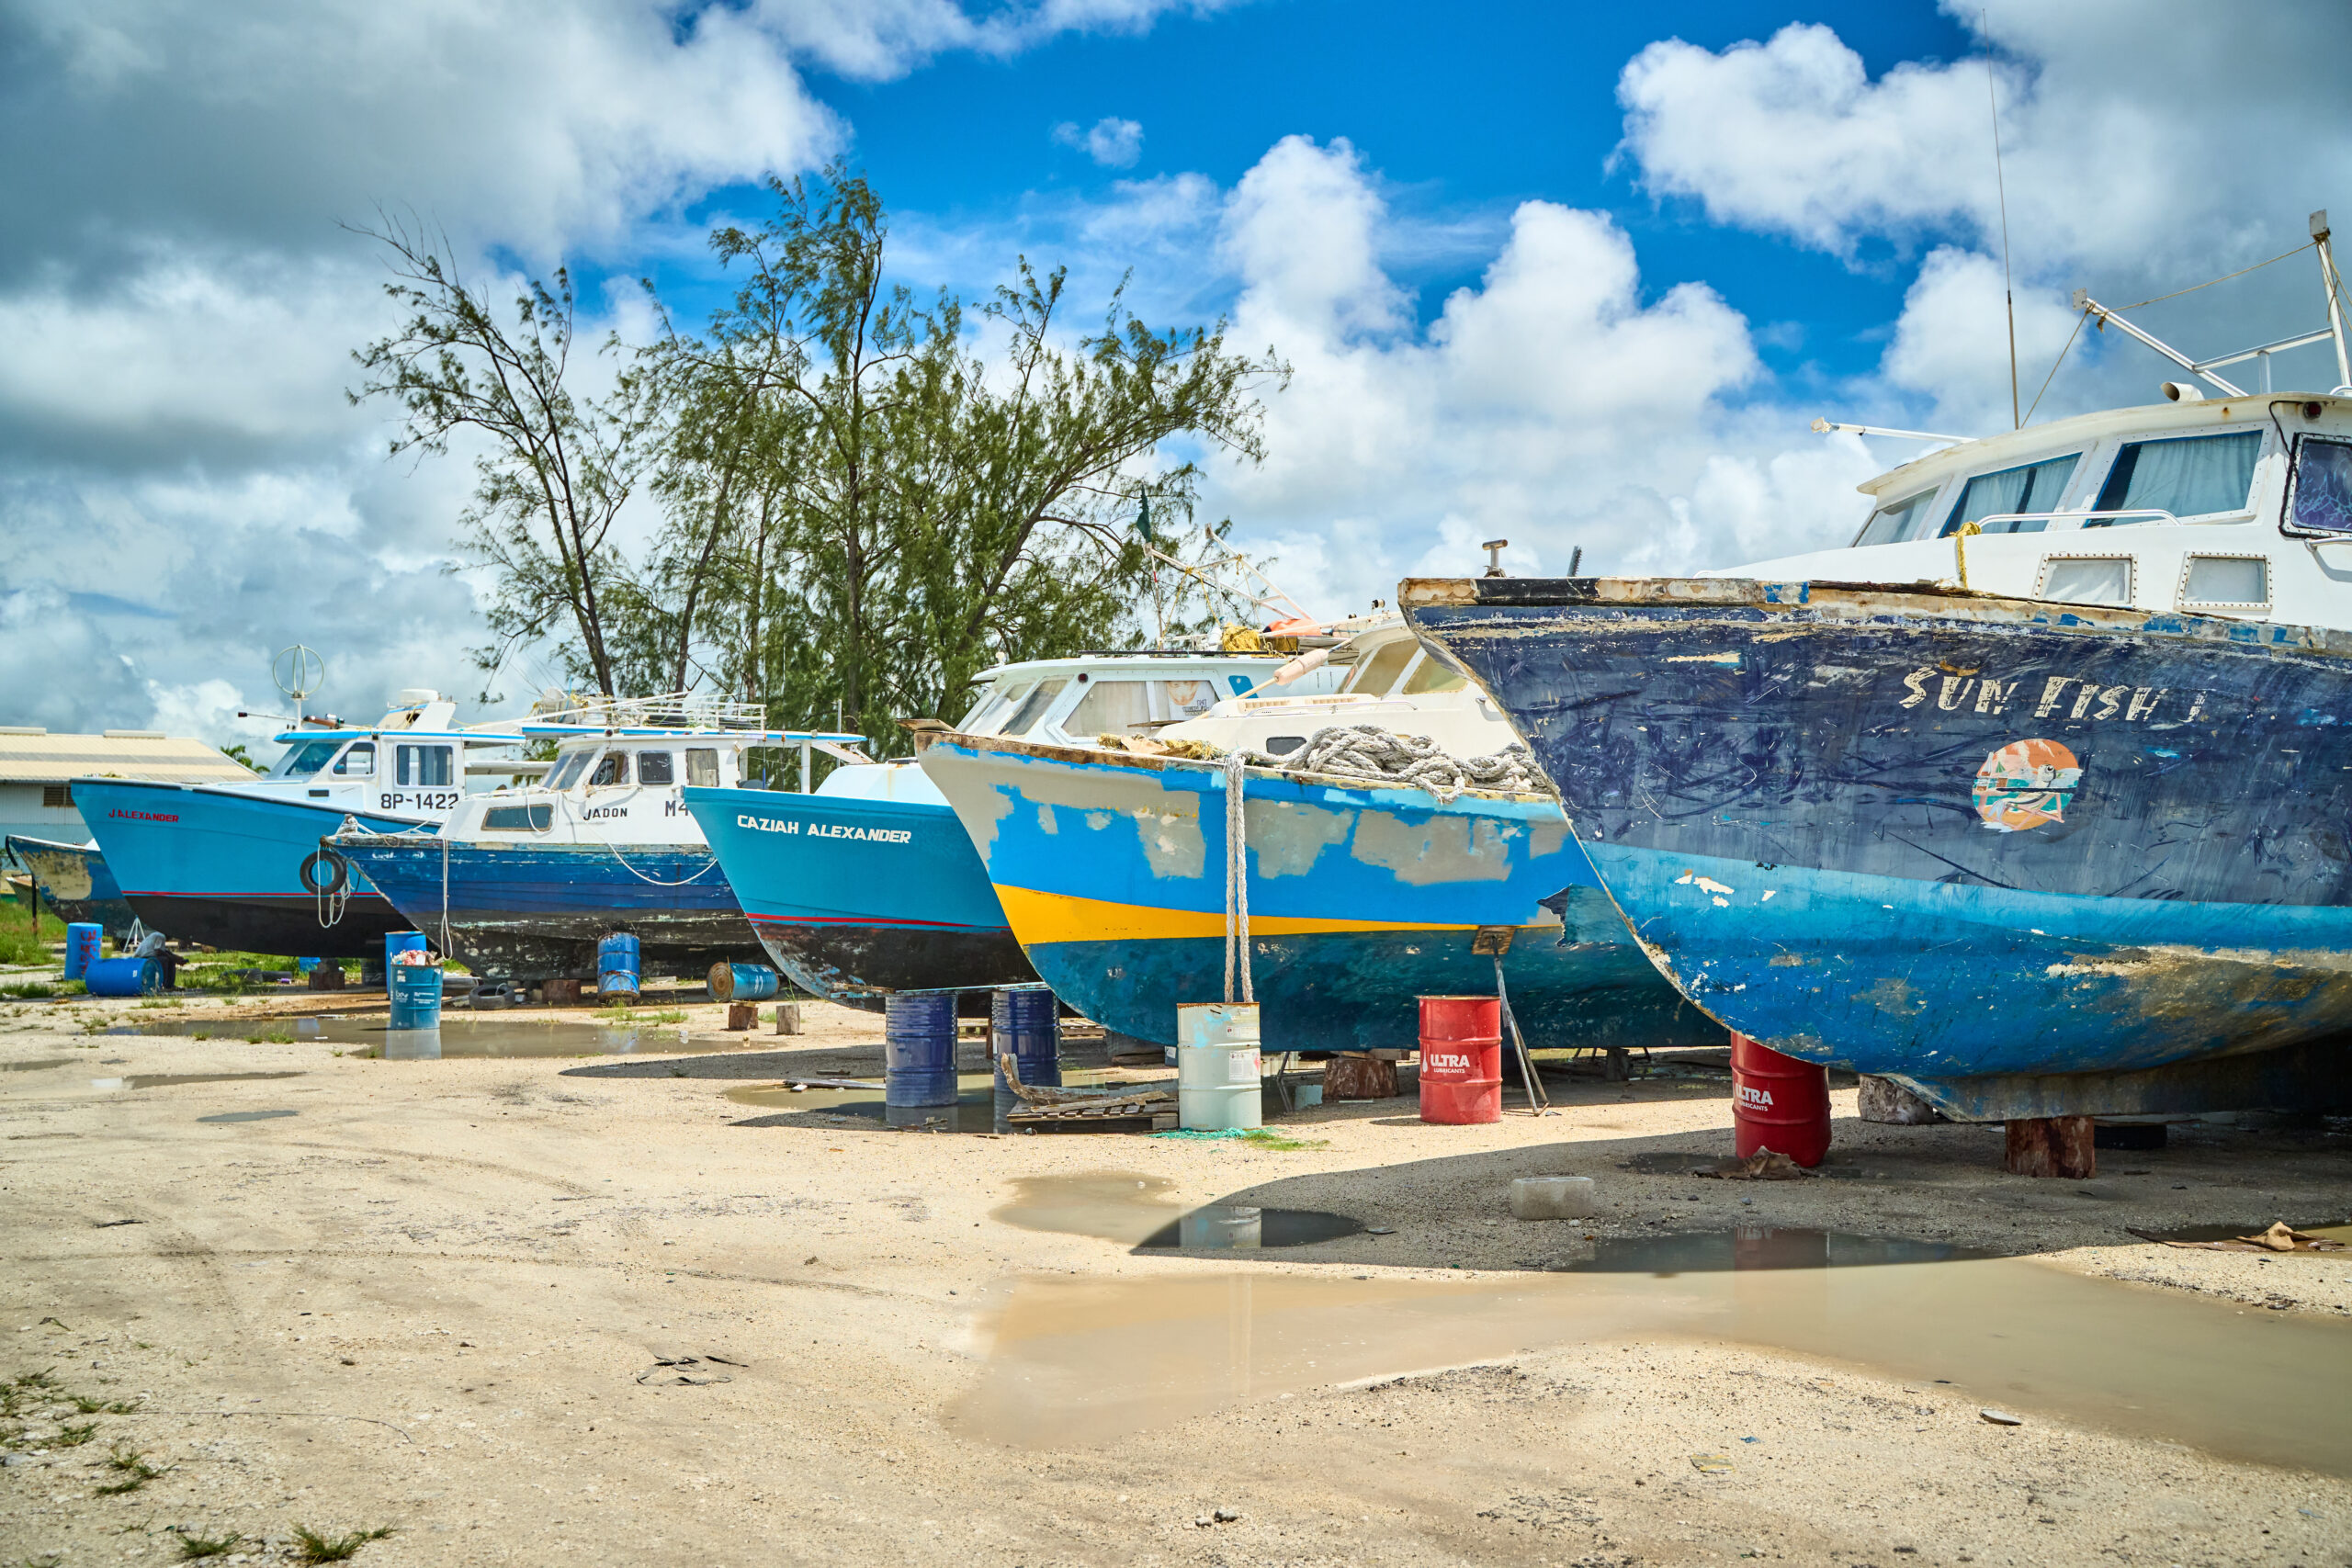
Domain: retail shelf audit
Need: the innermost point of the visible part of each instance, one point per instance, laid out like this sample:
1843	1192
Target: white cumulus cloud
1113	143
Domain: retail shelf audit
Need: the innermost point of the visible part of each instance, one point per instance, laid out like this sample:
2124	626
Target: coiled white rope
1237	881
1373	755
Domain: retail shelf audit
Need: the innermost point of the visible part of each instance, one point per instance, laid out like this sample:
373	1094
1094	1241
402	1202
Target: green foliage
309	1546
1281	1142
133	1466
193	1547
237	753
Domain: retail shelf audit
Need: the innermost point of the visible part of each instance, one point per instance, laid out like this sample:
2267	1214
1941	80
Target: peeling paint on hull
857	897
536	913
1360	900
1944	835
75	884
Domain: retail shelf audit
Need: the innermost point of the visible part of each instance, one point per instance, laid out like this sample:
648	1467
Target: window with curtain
702	766
2032	487
1110	707
2189	476
2322	500
427	765
1898	521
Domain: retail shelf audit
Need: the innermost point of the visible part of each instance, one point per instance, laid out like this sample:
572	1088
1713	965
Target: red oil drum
1462	1059
1778	1103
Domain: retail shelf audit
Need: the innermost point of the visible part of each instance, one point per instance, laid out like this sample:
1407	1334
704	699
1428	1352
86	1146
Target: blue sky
1578	276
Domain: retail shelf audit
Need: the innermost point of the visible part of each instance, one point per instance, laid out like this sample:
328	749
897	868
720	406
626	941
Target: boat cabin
1382	675
1071	702
414	761
2238	507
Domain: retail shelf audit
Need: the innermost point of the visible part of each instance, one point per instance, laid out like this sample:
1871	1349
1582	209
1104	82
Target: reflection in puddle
460	1035
248	1115
974	1110
1080	1361
172	1080
1134	1211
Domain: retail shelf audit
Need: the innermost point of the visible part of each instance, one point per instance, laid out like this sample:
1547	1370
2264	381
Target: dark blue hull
536	913
1943	836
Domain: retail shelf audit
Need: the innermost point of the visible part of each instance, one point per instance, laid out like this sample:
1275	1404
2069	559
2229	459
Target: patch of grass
45	1378
193	1547
85	1405
29	990
309	1546
1281	1142
74	1436
272	1036
133	1466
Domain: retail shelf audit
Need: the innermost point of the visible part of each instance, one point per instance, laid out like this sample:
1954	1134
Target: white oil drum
1217	1065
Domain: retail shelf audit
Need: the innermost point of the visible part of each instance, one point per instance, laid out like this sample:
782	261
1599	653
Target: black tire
309	869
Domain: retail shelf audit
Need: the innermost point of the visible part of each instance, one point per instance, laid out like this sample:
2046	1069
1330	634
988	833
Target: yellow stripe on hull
1039	917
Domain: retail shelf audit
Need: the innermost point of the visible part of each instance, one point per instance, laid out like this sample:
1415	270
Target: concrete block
787	1018
1552	1198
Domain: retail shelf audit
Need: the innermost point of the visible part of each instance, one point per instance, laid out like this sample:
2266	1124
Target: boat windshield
1379	669
993	704
1433	675
301	762
1033	706
567	772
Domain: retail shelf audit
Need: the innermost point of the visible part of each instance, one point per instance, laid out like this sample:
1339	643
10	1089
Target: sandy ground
440	1296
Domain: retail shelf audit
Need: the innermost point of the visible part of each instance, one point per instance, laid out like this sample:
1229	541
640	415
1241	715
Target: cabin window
1382	666
702	767
358	762
1112	708
2322	498
1190	699
2236	582
422	765
1905	519
303	760
567	772
57	797
2191	475
656	768
1434	675
517	818
611	769
2032	487
1033	708
2087	580
990	717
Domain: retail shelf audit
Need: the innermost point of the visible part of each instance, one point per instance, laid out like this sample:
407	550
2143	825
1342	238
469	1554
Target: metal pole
2334	282
1537	1104
804	767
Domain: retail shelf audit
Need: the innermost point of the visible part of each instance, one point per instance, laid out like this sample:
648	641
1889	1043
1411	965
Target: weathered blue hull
74	883
1112	873
536	912
857	898
1942	836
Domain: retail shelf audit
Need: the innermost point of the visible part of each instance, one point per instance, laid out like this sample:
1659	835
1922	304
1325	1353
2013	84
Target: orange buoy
1778	1103
1462	1059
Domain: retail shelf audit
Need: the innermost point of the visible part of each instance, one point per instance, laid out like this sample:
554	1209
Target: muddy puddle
176	1080
40	1066
1134	1211
459	1036
974	1110
1086	1361
248	1116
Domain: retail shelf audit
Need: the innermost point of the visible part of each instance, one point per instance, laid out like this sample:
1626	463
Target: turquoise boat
1111	869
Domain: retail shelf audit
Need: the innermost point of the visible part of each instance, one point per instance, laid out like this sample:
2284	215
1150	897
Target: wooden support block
327	976
742	1016
1616	1066
2052	1145
787	1018
1349	1076
562	993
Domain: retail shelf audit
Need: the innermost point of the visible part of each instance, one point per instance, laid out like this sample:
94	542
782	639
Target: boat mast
2333	282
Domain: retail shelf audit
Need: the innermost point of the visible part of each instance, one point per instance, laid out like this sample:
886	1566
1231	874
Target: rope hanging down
1367	753
1237	880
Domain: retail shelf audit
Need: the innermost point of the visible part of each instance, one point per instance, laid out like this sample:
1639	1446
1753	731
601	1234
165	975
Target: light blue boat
1112	869
240	865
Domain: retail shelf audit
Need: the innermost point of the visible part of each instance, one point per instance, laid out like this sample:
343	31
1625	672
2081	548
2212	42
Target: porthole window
2234	583
2086	579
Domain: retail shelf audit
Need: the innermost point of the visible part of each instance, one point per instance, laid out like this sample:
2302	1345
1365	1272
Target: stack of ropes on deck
1373	755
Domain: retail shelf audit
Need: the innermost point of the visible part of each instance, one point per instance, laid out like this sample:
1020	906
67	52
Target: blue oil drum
617	965
1026	1023
82	948
397	942
416	994
919	1048
122	977
742	982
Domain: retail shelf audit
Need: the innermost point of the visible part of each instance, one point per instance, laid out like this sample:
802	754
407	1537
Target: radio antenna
2000	186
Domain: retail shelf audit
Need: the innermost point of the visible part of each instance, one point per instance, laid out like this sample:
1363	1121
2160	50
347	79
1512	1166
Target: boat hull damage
1112	874
1945	835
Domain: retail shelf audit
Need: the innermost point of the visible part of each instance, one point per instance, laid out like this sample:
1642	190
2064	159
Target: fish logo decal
2026	784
